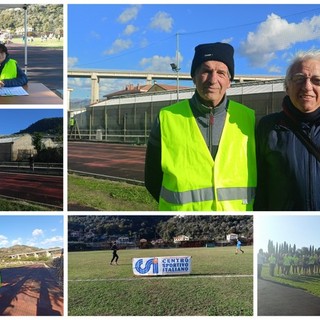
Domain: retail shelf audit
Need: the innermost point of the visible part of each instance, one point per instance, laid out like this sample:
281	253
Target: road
30	291
43	189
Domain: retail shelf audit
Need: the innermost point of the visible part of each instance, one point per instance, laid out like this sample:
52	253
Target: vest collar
200	108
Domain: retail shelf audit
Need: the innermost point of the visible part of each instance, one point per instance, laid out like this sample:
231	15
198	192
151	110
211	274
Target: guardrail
39	167
134	136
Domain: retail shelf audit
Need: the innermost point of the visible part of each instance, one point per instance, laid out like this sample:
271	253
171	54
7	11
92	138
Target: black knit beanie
3	48
217	51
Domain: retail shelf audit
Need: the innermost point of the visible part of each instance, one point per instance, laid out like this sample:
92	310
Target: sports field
220	284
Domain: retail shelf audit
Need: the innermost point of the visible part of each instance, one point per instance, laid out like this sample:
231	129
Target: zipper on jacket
211	123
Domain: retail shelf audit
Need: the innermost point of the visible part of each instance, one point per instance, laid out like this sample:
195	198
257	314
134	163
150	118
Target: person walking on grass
238	248
115	256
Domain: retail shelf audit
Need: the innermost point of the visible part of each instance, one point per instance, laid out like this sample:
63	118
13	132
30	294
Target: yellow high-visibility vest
9	71
192	180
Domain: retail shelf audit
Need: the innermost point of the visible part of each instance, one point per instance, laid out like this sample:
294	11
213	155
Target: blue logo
149	263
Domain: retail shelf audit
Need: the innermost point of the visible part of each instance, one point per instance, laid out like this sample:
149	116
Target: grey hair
299	58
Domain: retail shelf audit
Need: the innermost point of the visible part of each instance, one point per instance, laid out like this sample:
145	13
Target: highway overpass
56	252
148	76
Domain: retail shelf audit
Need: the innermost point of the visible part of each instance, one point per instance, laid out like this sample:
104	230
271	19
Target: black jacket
288	175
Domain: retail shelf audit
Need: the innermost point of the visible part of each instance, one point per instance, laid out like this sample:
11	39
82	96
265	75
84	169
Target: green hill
42	19
50	126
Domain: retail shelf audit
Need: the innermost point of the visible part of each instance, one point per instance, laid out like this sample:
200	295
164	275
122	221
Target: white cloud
79	82
274	69
130	29
53	240
37	232
162	21
157	63
72	61
227	40
276	34
129	14
118	46
3	241
112	85
16	241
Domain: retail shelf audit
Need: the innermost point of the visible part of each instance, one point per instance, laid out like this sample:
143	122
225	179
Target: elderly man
288	143
201	152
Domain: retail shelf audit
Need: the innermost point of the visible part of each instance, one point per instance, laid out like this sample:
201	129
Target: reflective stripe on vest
192	180
207	194
9	70
225	194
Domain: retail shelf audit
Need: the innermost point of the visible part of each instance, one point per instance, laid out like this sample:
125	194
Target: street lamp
176	69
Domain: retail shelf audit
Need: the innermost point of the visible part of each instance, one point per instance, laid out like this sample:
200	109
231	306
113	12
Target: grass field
306	282
105	195
220	284
53	43
12	205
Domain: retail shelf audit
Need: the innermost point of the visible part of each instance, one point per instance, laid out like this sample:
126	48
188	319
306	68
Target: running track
30	291
112	160
42	189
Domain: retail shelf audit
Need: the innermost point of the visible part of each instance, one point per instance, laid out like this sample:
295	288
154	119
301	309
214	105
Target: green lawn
105	195
220	284
310	283
53	43
13	205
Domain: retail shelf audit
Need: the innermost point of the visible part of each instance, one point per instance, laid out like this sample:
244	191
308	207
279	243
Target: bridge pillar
149	79
94	88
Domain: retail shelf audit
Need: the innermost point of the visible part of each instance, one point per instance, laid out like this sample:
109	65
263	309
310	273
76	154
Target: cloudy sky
36	231
146	37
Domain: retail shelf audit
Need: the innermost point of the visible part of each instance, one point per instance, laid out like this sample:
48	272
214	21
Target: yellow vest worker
192	180
9	71
201	152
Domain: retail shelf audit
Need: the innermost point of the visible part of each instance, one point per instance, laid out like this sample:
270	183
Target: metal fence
138	137
39	167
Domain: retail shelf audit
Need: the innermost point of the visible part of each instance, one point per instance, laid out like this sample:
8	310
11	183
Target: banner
161	266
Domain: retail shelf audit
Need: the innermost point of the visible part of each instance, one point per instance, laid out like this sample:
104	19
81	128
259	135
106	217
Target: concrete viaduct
56	252
96	75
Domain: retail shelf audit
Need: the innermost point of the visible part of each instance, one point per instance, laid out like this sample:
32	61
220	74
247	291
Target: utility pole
175	66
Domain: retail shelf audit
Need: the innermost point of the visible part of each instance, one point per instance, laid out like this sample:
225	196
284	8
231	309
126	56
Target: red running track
30	291
33	187
116	160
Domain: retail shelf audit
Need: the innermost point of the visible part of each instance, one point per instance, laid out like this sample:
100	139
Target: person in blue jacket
10	73
238	247
288	170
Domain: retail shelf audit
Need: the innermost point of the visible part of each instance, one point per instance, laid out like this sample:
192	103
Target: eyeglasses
300	78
